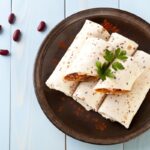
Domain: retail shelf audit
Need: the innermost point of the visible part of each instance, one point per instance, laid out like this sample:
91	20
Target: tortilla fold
56	80
122	108
84	68
85	92
124	79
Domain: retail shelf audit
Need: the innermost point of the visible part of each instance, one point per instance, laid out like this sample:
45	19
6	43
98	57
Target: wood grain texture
30	129
139	143
77	145
4	76
72	7
141	8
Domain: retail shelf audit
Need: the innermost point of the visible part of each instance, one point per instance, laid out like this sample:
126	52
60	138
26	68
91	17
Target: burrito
85	91
84	68
88	108
122	108
56	80
122	42
124	79
86	94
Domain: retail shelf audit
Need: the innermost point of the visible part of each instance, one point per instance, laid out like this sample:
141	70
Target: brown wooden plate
65	113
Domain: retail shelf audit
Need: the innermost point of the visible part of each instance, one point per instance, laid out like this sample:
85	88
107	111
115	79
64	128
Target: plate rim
40	95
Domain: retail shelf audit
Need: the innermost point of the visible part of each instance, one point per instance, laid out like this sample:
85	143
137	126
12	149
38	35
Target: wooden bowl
63	111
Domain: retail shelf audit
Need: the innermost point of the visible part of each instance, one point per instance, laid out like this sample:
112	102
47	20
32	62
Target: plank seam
64	8
119	4
65	142
10	86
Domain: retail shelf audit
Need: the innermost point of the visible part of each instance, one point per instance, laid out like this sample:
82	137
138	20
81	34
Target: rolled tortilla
122	42
56	80
122	108
108	86
84	68
124	79
88	108
143	59
85	92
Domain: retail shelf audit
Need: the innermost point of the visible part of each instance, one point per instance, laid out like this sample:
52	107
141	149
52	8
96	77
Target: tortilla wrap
84	68
85	91
124	79
122	42
86	94
122	108
56	80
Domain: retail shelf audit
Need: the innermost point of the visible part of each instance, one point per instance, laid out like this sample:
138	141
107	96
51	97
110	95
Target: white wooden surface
30	129
4	77
23	126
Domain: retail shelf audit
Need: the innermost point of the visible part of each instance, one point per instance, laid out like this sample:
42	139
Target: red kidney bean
11	18
41	26
16	35
4	52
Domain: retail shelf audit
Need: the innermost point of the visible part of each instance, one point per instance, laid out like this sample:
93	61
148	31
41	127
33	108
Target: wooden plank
139	143
73	144
72	7
30	129
140	8
5	7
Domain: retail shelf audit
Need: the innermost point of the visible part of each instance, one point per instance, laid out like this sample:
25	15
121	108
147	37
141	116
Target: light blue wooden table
23	126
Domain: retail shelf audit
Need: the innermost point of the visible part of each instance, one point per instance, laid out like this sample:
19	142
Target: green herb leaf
109	73
120	54
117	66
99	68
98	64
103	70
103	77
117	52
109	55
123	52
123	57
105	66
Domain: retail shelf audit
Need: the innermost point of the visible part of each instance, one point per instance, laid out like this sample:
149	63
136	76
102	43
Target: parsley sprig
104	70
